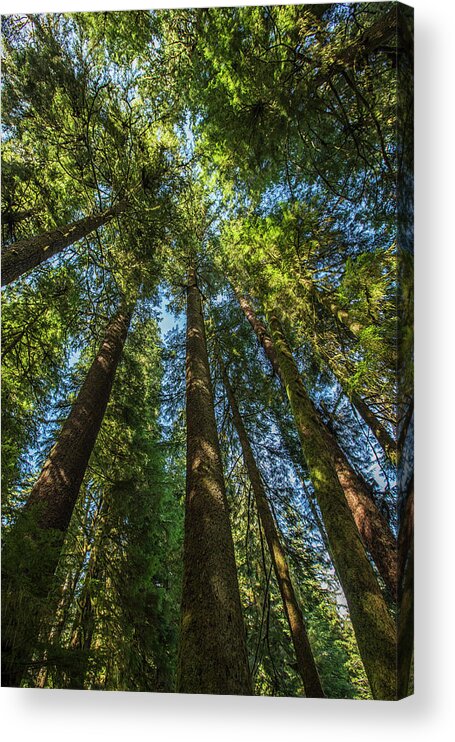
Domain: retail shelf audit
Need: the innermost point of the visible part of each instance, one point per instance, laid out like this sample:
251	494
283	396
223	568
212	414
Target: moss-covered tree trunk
213	655
374	628
353	328
374	530
304	656
372	526
369	417
327	303
24	255
32	548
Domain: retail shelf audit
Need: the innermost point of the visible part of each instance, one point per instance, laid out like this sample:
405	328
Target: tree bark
372	623
372	526
373	626
374	530
384	439
24	255
32	548
213	655
353	328
305	661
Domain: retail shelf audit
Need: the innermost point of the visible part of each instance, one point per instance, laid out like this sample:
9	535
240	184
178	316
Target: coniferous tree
375	631
213	656
305	660
371	524
297	547
33	545
24	255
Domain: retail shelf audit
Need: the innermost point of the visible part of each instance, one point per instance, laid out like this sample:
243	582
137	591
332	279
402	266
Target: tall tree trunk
304	655
213	655
24	255
82	634
373	625
373	528
369	417
32	548
384	438
353	327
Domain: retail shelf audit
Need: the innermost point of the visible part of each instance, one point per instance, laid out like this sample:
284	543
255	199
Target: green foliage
125	555
38	321
259	142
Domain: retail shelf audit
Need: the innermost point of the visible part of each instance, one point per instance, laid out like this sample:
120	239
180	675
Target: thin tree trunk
384	438
82	634
24	255
305	661
260	331
65	599
373	625
373	528
379	431
353	327
213	655
32	548
66	593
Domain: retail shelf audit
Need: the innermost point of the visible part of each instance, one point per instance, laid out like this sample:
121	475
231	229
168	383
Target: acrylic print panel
207	350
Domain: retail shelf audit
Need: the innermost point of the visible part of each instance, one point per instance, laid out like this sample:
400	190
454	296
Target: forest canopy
207	387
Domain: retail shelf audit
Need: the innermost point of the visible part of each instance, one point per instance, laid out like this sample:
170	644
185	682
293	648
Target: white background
73	715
